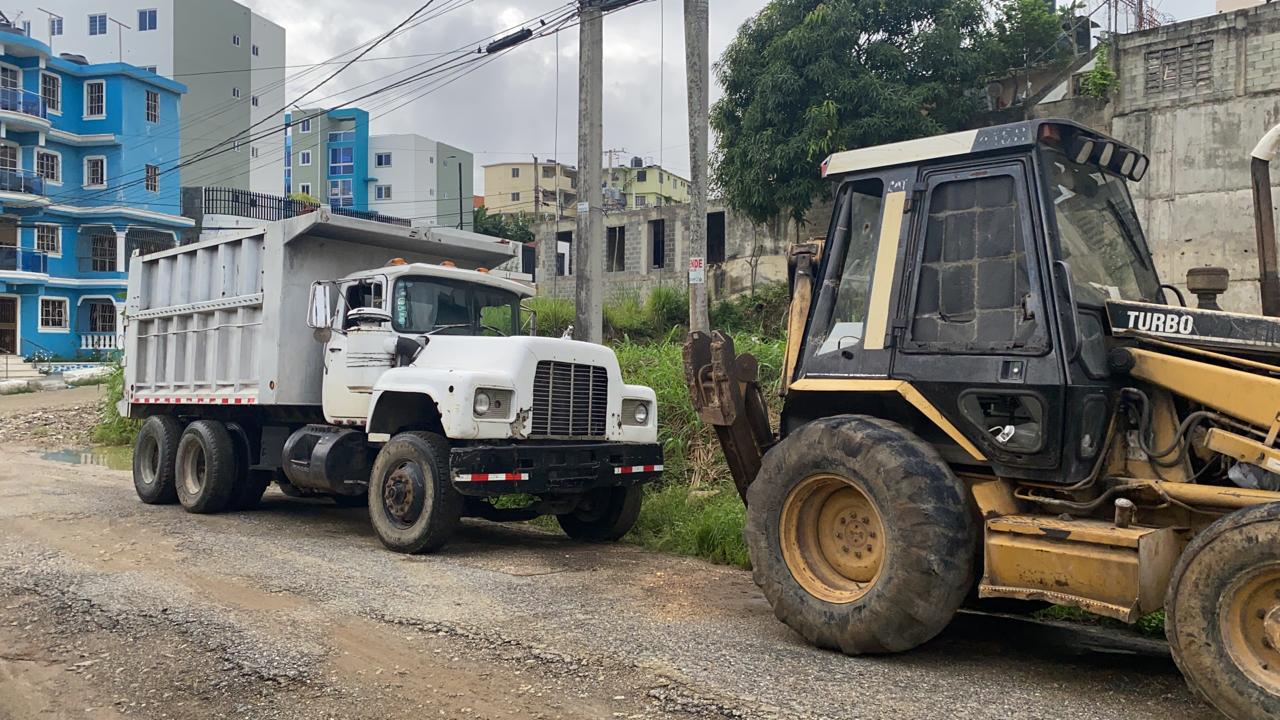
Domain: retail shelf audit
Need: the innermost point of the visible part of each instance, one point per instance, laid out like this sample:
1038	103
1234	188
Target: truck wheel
412	504
604	514
860	535
249	484
154	450
206	467
1222	613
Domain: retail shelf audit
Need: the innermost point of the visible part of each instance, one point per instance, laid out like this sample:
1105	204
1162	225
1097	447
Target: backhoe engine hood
1228	332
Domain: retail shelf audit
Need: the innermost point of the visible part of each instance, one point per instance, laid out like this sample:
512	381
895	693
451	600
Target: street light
460	215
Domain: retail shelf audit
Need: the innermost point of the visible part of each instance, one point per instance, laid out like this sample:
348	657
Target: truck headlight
482	403
635	412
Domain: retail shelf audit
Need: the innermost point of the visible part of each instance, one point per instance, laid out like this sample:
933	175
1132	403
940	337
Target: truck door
974	336
344	394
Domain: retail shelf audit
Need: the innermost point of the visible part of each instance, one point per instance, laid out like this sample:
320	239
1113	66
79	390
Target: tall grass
111	428
555	315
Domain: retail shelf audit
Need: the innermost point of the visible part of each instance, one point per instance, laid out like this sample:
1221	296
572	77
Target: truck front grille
569	400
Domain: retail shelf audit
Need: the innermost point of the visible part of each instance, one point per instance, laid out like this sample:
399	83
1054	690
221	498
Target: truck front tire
860	535
412	505
604	515
206	469
154	451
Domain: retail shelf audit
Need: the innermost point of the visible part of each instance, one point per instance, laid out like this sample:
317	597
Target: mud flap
724	388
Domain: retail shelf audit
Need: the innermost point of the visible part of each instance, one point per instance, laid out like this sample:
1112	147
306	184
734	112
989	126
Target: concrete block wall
1195	203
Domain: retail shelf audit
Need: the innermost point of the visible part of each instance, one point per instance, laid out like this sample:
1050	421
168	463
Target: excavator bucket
725	390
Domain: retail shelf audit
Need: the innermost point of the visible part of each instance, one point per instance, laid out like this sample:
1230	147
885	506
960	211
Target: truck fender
394	411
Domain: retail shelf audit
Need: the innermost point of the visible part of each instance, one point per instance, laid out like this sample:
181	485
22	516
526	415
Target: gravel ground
53	419
110	608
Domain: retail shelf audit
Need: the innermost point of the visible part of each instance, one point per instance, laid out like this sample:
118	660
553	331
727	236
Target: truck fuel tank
328	459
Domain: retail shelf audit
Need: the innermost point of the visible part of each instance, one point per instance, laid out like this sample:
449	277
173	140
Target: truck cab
348	359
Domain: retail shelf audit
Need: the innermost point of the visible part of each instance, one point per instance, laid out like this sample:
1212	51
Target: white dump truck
379	365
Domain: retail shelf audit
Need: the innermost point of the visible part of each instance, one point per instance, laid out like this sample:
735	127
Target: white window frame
88	84
87	160
148	94
253	100
235	39
58	165
50	108
253	151
55	26
377	159
66	314
16	69
89	27
305	188
304	158
235	91
156	21
381	192
148	177
254	50
17	155
57	237
304	125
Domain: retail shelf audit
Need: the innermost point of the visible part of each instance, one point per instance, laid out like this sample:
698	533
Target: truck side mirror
319	312
532	322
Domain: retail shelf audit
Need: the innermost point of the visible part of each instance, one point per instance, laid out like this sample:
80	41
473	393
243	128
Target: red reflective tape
492	477
630	469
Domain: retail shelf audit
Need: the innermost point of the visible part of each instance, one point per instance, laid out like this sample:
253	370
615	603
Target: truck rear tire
1222	613
249	484
206	469
604	515
412	505
154	450
860	535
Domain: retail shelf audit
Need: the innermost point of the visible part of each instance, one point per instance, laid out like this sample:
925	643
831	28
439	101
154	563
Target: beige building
543	189
638	185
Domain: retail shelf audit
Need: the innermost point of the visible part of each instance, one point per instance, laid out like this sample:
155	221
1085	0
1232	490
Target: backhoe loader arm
725	390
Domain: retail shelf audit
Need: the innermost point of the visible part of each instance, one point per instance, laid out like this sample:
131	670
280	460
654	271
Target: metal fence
261	206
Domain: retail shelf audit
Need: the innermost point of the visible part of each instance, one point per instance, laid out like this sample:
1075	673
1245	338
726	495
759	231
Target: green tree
518	228
1030	33
805	78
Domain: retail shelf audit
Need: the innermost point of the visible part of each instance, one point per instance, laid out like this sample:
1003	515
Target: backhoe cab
989	393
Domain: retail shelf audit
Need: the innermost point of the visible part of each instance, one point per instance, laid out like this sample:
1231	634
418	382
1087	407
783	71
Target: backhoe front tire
860	535
154	450
1222	613
412	503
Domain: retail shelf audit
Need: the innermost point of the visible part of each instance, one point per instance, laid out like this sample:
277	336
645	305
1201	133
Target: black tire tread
1198	649
167	431
220	468
446	506
920	501
617	520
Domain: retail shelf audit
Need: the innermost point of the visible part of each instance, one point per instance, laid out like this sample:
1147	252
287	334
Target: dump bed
223	321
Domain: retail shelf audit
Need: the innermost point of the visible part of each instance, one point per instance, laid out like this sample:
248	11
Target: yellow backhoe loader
989	395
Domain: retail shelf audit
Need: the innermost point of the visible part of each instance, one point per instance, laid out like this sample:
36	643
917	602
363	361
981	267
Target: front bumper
564	468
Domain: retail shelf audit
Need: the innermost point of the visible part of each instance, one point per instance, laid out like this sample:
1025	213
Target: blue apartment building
327	156
87	153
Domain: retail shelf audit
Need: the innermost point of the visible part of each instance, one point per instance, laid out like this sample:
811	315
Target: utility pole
537	196
589	243
460	215
697	64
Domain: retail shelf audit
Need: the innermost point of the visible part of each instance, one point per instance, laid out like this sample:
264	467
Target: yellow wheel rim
832	538
1249	612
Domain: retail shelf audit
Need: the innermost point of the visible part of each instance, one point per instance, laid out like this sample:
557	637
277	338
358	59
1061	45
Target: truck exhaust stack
1264	220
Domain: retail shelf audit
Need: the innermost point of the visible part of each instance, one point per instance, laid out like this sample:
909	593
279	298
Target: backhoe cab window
1098	233
436	306
854	259
974	291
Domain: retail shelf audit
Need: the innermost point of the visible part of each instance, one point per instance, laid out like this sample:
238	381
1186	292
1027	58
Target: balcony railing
21	181
99	341
260	206
23	260
23	101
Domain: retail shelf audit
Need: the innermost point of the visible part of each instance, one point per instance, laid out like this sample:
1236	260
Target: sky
511	108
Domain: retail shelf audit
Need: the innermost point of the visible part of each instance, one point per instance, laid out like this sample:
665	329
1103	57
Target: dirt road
110	608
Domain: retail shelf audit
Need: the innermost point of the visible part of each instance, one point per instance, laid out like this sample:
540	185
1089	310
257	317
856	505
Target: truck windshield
1098	233
439	306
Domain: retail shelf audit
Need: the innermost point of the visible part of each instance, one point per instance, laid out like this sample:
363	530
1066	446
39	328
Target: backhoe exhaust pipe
1265	222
